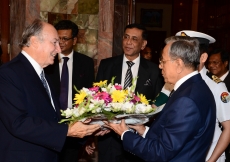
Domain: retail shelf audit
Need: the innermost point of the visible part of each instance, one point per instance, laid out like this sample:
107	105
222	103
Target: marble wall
85	13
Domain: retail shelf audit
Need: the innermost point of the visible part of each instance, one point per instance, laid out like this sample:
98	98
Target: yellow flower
100	84
80	97
118	96
143	99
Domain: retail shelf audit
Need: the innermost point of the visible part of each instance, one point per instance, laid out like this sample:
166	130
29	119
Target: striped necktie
129	75
45	83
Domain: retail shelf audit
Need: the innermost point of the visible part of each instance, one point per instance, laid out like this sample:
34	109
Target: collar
60	56
136	60
182	80
224	76
35	65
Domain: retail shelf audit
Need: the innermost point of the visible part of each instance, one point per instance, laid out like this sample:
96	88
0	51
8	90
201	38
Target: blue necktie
45	83
64	85
129	75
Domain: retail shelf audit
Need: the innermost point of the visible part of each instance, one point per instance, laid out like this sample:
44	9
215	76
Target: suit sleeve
162	144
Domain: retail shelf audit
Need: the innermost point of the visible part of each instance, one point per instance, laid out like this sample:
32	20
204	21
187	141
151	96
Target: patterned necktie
171	93
45	83
129	75
64	86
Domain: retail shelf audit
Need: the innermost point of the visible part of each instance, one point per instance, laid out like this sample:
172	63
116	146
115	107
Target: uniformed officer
221	139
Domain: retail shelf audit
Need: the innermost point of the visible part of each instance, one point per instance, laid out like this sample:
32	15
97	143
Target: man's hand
139	128
102	132
81	130
118	128
90	145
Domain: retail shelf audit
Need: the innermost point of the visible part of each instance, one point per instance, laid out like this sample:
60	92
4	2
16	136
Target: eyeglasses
162	62
64	39
130	39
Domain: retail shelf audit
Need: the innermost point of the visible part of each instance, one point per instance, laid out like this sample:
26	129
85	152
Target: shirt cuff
146	130
165	91
123	134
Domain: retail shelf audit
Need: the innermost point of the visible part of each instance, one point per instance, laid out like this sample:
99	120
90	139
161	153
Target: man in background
218	64
147	53
149	83
80	70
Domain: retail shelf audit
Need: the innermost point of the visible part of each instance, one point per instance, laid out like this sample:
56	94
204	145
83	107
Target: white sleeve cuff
123	134
146	130
165	91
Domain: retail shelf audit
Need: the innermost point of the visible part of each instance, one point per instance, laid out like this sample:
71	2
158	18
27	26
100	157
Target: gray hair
185	48
34	29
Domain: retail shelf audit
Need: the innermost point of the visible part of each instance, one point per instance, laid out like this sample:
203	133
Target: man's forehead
133	32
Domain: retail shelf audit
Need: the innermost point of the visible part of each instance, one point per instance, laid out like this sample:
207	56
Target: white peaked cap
203	38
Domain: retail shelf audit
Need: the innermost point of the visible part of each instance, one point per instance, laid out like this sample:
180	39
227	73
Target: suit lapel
117	69
34	78
143	74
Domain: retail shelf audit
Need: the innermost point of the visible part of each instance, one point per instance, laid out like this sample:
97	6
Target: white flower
142	108
68	112
116	106
128	107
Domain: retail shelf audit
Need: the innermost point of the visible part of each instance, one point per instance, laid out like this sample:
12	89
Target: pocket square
148	82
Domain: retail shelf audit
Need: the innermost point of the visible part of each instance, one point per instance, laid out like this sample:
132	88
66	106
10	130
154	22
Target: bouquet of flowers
107	102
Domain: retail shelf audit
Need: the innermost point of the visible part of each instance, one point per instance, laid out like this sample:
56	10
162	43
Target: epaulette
213	77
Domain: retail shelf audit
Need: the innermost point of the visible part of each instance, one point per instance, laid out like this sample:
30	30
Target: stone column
22	13
105	29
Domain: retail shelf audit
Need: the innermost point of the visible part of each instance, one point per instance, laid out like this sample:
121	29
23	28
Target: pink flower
95	89
103	96
135	99
118	87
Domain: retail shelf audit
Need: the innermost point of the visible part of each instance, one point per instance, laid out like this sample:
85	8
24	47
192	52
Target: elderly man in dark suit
184	129
149	83
29	108
81	74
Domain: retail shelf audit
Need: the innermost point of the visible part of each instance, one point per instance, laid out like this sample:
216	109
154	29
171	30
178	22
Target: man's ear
203	58
34	42
225	64
143	44
74	41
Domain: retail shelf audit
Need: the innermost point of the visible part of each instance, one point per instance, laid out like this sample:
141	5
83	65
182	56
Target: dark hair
67	24
141	27
34	29
224	55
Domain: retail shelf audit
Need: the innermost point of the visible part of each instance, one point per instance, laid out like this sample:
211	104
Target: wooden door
4	29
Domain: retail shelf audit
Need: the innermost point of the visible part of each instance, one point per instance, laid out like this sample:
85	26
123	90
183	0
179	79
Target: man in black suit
29	108
218	64
81	74
149	83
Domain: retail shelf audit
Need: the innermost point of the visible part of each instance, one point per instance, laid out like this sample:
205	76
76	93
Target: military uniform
222	99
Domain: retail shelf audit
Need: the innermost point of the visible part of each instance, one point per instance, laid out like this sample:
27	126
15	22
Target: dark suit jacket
29	124
227	81
110	146
82	76
83	72
184	129
147	70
